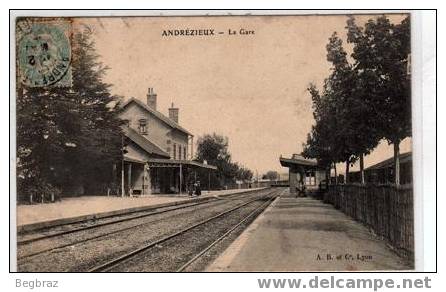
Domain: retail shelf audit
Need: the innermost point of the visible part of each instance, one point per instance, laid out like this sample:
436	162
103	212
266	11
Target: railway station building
158	151
302	173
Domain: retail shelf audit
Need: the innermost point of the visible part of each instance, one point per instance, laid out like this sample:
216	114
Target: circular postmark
44	55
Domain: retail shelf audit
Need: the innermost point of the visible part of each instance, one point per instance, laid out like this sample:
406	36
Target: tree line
213	148
68	138
366	98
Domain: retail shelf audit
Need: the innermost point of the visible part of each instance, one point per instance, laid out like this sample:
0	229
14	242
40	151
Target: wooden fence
386	209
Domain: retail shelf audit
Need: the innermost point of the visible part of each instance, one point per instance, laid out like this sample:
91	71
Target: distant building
383	172
302	173
158	150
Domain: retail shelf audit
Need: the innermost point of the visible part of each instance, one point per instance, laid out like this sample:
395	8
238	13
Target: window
179	151
143	126
310	178
174	151
184	152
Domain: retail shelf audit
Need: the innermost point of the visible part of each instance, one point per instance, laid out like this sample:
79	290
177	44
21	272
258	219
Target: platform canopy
298	161
172	163
134	160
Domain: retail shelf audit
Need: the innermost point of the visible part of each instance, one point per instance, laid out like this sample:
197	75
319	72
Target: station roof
404	158
298	160
134	160
144	143
159	162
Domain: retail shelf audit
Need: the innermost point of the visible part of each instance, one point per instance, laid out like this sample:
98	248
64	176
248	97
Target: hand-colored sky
251	88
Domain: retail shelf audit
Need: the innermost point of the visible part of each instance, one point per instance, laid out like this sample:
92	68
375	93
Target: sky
250	88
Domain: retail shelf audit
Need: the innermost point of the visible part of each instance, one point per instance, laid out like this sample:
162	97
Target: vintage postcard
225	143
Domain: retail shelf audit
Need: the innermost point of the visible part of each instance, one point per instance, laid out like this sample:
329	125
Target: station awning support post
181	177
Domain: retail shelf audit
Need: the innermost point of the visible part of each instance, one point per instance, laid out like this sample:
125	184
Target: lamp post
122	167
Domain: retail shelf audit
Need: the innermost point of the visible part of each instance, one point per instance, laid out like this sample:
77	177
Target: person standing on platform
198	188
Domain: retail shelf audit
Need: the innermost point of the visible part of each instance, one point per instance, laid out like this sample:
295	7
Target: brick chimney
173	113
151	98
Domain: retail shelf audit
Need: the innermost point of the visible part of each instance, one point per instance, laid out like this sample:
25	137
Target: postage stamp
44	53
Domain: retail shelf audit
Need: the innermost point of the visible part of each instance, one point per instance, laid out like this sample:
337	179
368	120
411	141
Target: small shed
304	174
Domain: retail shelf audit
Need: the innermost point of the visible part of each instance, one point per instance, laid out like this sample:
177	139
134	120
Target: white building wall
159	132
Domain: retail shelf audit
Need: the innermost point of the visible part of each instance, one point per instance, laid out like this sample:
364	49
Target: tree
343	113
214	149
46	131
332	137
381	52
342	88
100	140
68	137
271	175
321	139
244	174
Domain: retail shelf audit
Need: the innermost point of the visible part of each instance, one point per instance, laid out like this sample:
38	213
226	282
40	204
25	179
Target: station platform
304	234
81	208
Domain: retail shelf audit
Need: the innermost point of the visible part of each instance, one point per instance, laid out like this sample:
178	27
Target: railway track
200	254
167	245
141	215
81	225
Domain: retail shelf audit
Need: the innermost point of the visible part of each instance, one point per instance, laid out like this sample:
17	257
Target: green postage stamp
44	52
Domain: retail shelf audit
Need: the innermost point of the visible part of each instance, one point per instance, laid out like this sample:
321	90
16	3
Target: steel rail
123	258
150	213
72	243
226	234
